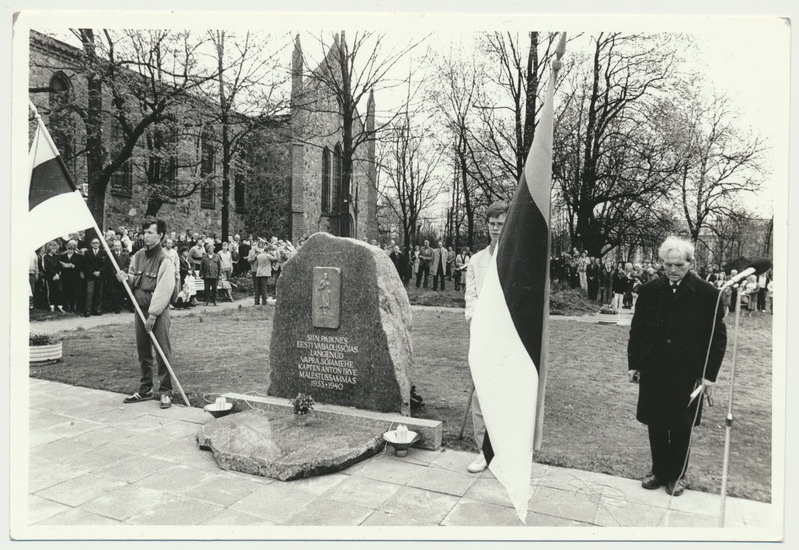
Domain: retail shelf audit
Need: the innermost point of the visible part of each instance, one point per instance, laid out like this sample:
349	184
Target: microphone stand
728	421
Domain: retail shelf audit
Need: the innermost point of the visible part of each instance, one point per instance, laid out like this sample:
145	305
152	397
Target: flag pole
116	269
543	369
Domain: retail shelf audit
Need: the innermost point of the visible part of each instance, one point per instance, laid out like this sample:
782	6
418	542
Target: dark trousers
438	276
669	452
605	294
456	276
144	346
53	292
70	286
261	290
761	299
210	290
94	295
424	269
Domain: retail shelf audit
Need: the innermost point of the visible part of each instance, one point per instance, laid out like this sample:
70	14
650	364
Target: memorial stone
341	330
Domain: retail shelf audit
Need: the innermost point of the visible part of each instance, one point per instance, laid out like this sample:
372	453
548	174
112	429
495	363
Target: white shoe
478	465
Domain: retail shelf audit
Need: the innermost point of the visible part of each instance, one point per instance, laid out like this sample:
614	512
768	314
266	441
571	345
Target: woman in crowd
70	276
461	264
619	286
770	293
245	247
749	294
718	281
263	270
416	260
592	270
210	268
226	260
50	268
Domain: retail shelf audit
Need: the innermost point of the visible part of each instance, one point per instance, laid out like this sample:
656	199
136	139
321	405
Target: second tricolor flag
509	327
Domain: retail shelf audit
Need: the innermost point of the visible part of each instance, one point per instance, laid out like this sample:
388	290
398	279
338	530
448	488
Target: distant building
286	180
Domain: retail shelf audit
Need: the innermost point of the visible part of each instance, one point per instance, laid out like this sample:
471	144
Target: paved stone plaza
95	461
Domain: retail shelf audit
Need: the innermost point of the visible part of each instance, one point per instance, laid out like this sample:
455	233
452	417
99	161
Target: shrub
37	339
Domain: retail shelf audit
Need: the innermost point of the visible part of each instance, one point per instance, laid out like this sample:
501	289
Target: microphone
757	267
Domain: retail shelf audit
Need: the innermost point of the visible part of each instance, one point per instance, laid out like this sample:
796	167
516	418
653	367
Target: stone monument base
261	438
279	448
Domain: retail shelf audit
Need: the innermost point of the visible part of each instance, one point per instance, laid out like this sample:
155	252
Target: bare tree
351	72
409	161
508	110
611	164
146	74
248	88
455	93
718	160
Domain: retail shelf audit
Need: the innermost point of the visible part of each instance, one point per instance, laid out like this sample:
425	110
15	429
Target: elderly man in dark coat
677	318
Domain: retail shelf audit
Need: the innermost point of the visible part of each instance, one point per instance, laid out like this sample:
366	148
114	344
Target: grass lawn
590	407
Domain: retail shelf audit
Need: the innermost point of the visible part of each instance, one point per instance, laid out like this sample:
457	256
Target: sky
746	57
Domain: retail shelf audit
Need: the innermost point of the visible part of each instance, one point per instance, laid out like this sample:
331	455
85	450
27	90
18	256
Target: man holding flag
152	277
475	275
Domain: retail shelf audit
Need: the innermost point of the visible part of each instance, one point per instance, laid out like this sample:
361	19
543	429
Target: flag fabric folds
55	206
509	327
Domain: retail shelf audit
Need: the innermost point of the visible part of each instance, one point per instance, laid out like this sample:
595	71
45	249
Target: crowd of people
74	273
424	262
616	284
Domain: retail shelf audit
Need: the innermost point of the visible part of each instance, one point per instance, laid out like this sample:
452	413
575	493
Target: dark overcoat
668	344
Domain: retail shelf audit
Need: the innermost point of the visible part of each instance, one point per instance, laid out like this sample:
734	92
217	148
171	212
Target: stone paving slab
102	463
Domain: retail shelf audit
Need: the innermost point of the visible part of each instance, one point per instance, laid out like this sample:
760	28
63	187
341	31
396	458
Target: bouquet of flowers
303	404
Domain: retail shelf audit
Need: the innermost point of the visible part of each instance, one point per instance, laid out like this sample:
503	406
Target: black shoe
86	314
136	397
676	488
651	482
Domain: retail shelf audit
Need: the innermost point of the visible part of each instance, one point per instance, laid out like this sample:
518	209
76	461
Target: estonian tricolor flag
509	327
55	205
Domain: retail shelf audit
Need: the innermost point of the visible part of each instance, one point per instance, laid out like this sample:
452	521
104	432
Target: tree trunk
153	206
94	137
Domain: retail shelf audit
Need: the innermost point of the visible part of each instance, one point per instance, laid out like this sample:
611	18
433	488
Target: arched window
326	181
60	90
336	198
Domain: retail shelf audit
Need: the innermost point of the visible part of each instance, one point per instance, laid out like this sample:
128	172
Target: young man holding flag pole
56	207
507	349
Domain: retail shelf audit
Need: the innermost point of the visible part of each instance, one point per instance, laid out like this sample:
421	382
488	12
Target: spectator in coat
33	276
51	273
226	259
94	266
71	276
450	263
439	265
606	283
675	324
619	286
263	270
210	268
425	259
461	265
196	254
592	270
115	288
